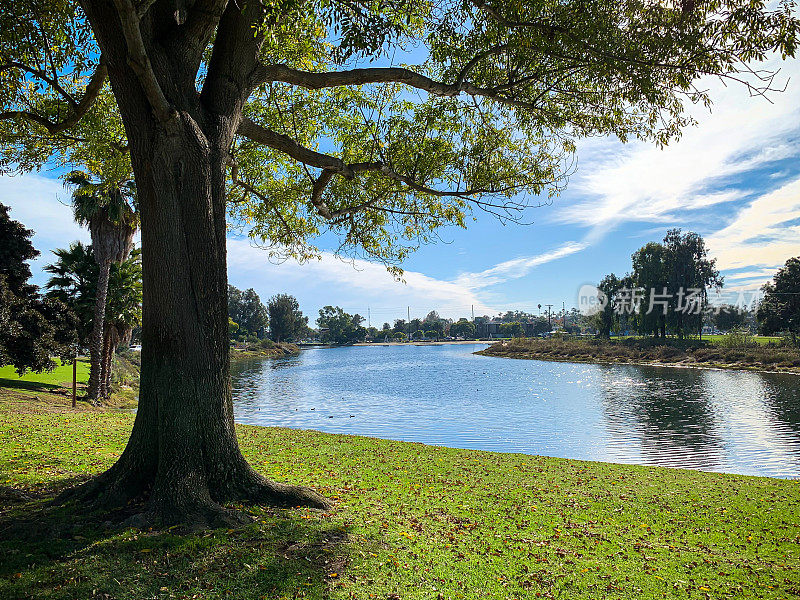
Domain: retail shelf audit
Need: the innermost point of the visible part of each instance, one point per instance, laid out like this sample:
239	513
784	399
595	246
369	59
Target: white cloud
358	285
640	182
759	235
41	203
515	268
353	285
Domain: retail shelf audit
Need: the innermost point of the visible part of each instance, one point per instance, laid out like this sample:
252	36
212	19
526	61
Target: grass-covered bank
263	349
55	385
688	353
411	521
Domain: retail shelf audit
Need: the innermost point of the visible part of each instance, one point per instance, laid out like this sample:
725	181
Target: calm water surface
730	421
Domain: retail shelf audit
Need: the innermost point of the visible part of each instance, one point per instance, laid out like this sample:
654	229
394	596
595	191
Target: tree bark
94	392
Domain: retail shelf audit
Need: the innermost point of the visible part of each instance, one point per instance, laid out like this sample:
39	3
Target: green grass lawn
411	521
61	376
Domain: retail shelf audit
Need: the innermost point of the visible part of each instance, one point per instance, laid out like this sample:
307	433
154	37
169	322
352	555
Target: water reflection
704	419
667	412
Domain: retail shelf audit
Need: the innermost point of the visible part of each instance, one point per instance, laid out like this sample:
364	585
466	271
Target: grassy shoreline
647	353
411	521
273	350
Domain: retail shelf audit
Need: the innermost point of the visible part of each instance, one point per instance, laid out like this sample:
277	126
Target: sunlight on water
738	422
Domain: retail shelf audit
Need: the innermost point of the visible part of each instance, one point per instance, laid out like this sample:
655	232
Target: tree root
191	506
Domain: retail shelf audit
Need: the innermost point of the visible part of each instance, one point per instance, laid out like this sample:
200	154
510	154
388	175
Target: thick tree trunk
183	454
94	392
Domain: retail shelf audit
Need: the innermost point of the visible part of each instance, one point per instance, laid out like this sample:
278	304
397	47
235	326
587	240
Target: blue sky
734	178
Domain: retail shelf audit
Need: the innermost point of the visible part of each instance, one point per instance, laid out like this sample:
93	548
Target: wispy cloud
641	183
358	284
355	285
515	268
763	234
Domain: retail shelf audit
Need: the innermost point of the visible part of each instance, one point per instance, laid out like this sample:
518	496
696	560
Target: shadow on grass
33	386
56	552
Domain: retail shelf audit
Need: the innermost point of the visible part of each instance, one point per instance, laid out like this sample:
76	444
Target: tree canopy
247	311
286	320
381	155
338	327
33	330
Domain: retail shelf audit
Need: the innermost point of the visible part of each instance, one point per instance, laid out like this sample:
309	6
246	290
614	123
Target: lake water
738	422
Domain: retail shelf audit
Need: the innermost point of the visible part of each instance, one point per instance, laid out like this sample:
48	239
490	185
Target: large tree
650	276
689	272
257	109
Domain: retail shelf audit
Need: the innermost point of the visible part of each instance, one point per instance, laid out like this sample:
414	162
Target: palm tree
108	210
74	281
123	311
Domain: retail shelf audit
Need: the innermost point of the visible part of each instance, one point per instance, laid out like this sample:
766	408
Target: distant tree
32	329
246	309
729	317
463	329
606	318
254	317
74	281
233	327
432	334
373	333
513	329
234	304
286	321
123	309
399	336
540	326
779	311
433	322
650	275
400	325
108	210
689	274
515	315
418	334
339	327
386	327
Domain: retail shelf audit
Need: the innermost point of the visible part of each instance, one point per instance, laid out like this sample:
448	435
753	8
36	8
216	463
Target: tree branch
140	62
79	109
52	82
258	133
331	166
317	81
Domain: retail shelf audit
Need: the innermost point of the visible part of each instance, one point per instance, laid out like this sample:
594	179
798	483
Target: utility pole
549	315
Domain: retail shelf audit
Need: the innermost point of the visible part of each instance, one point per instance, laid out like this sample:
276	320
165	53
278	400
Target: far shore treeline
651	300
